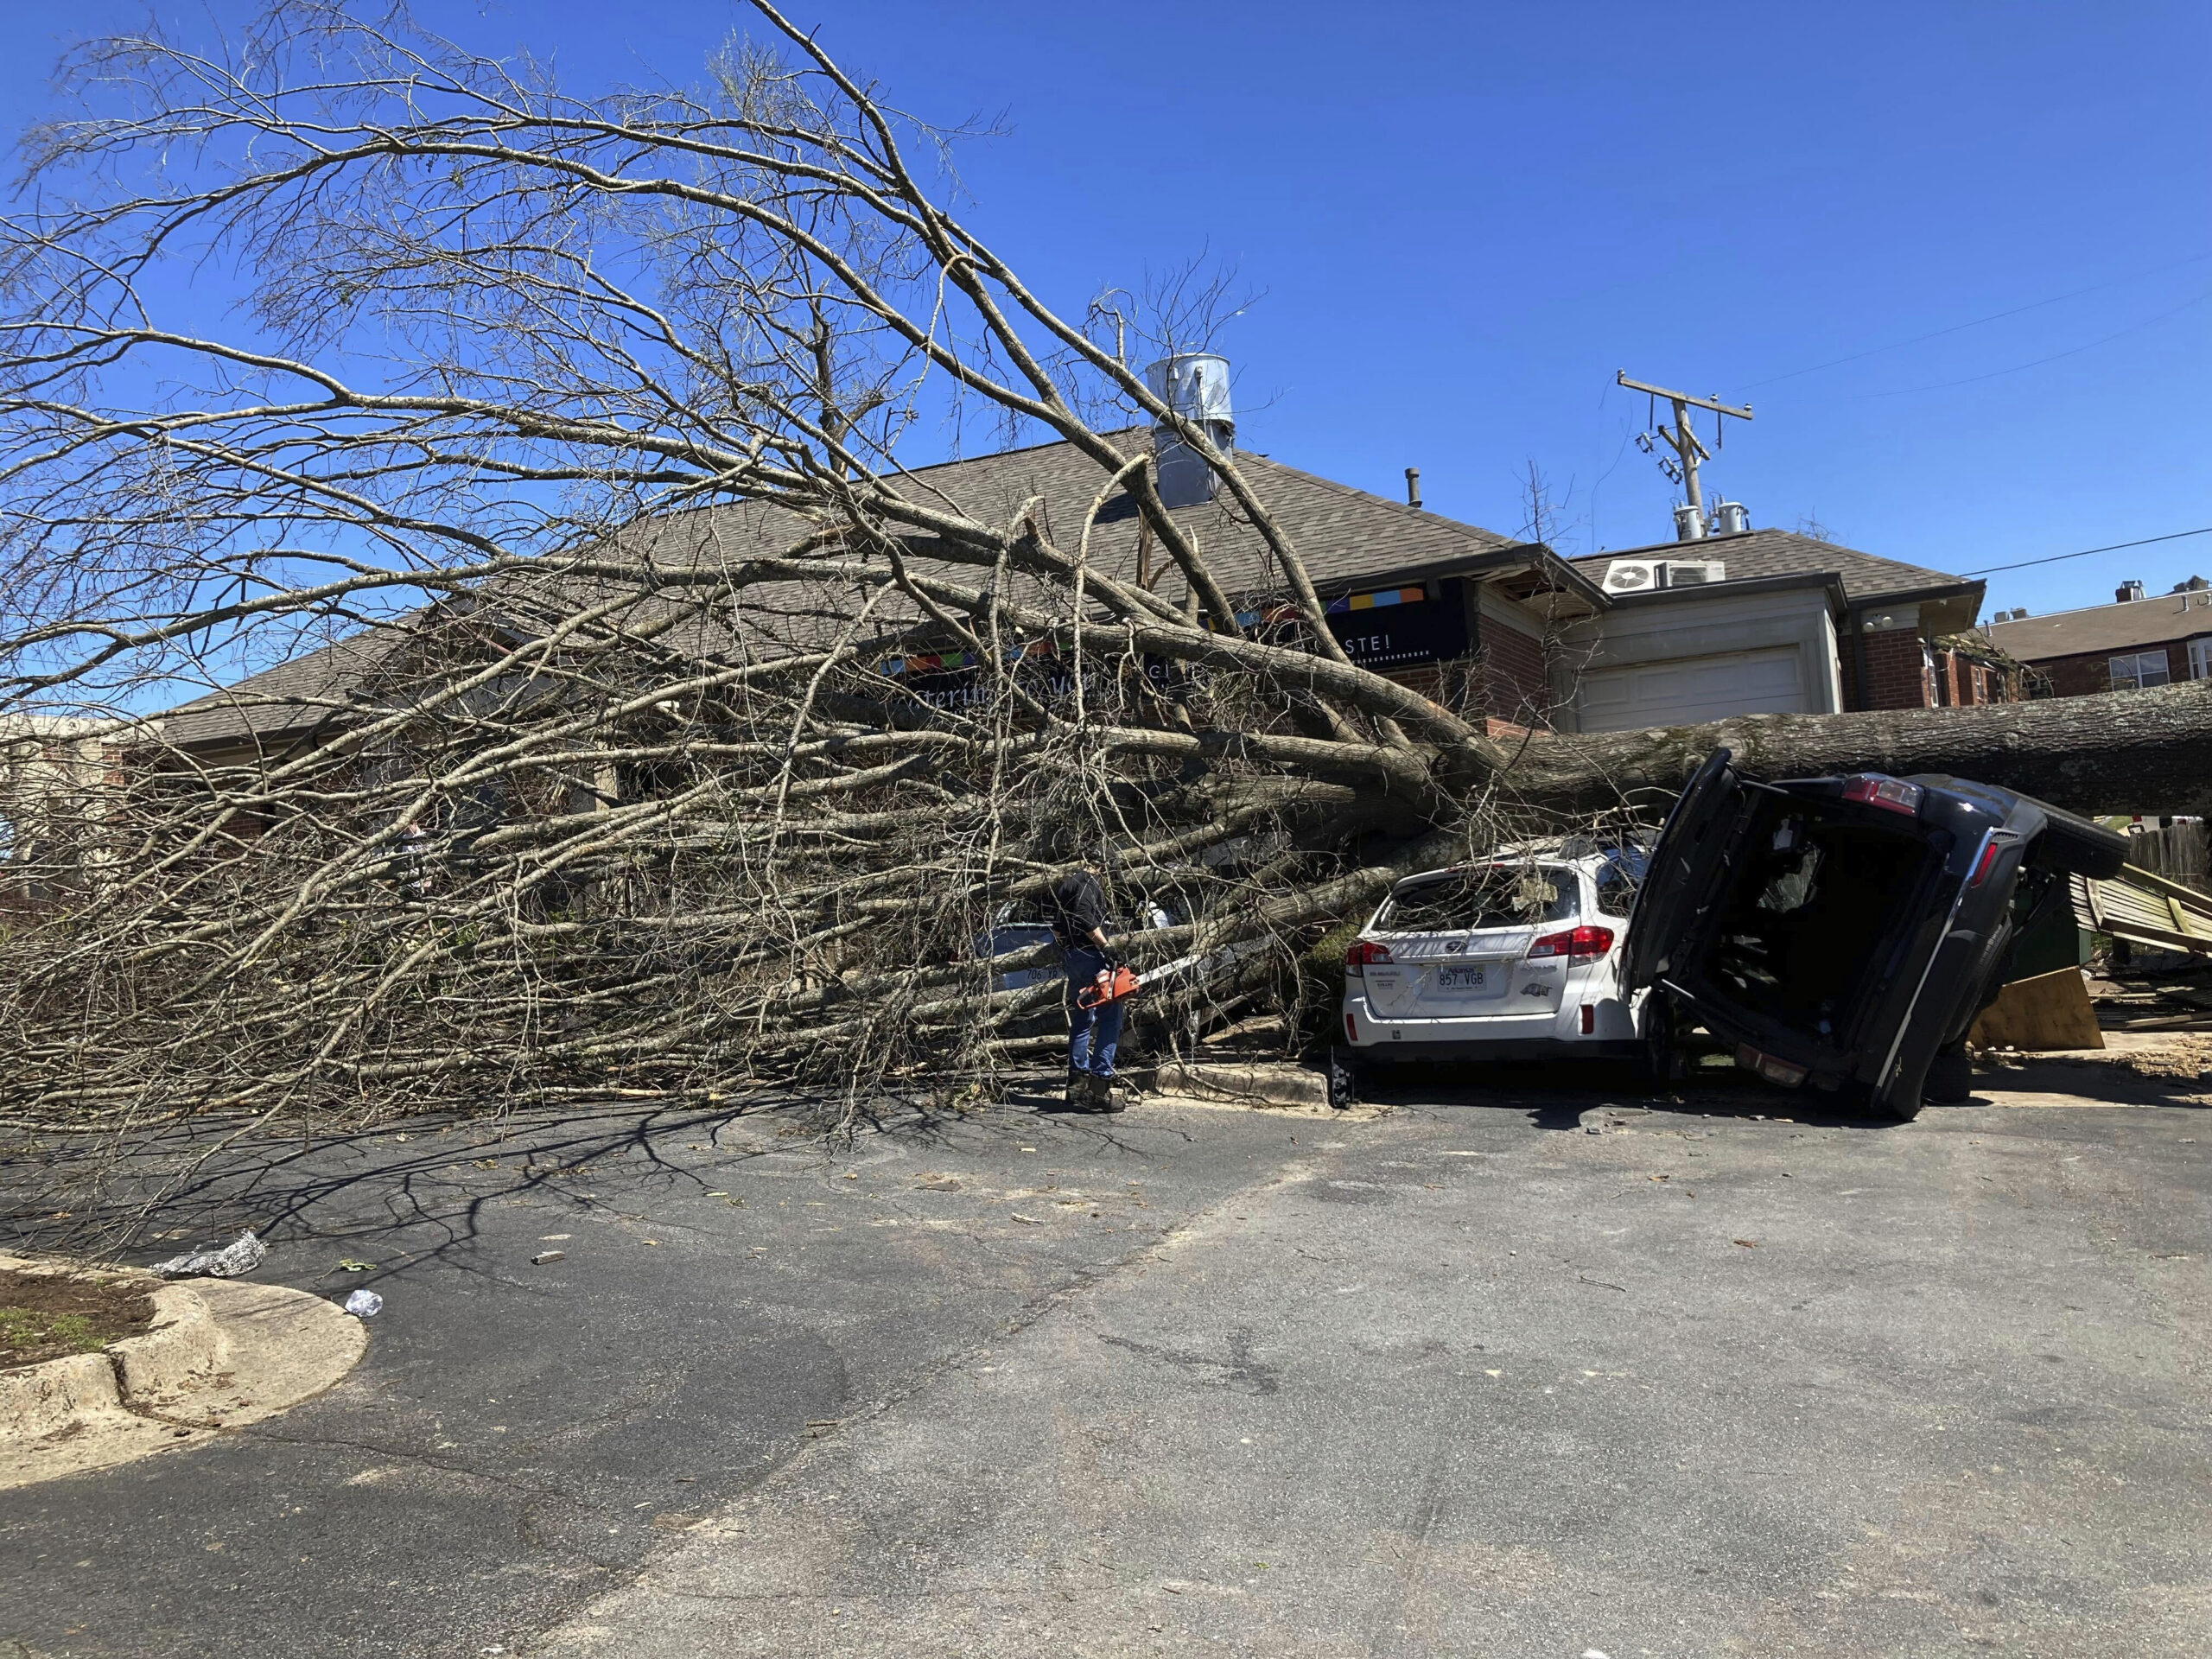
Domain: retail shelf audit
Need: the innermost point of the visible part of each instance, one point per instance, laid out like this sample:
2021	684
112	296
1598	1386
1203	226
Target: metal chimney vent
1195	384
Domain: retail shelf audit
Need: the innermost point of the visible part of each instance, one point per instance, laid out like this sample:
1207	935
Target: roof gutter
1491	561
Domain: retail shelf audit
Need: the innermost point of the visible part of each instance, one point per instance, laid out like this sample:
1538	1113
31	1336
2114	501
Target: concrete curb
184	1343
222	1353
1248	1083
1277	1086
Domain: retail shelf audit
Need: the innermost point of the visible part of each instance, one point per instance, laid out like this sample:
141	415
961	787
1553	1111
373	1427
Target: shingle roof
1343	535
1866	577
296	694
2162	619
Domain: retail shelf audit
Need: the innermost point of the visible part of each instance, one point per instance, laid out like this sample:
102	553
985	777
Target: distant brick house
60	779
2126	645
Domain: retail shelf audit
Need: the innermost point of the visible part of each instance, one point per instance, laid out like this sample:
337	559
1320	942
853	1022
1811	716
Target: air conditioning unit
1643	575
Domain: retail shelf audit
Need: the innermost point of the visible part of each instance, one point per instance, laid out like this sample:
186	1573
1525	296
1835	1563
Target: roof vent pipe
1689	523
1195	384
1413	489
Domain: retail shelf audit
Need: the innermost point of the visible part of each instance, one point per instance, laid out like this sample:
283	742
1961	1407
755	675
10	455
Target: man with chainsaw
1077	909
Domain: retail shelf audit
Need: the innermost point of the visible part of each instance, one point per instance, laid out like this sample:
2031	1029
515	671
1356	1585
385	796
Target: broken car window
1620	879
1494	895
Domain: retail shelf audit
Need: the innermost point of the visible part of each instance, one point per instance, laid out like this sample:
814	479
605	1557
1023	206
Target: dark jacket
1075	906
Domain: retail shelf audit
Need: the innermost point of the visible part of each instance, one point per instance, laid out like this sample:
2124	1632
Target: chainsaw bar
1114	984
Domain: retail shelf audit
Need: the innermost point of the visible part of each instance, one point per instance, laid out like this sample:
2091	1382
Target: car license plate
1461	979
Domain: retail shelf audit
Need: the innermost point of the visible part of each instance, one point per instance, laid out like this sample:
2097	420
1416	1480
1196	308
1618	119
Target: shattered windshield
1491	895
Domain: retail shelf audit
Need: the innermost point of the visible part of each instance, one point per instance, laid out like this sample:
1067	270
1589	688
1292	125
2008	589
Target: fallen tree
536	512
2148	752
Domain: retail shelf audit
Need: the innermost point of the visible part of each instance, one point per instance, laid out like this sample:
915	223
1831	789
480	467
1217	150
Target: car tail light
1780	1072
1871	789
1363	952
1982	865
1589	1018
1351	1027
1577	945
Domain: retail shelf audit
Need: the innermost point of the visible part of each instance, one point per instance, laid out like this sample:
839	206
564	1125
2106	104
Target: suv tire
1950	1077
1344	1080
1661	1061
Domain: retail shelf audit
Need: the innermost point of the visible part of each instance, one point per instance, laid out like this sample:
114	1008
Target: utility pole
1685	441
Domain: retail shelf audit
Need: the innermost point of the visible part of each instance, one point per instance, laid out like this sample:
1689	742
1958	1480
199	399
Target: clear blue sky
1466	217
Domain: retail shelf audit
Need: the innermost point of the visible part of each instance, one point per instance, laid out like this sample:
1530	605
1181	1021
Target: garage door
1692	690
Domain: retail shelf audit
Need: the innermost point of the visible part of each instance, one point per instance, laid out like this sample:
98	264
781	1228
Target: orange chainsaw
1114	984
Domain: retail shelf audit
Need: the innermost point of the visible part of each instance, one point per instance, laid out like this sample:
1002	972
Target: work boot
1103	1097
1078	1094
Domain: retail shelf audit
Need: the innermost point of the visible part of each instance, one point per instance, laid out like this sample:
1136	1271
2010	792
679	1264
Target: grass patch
50	1316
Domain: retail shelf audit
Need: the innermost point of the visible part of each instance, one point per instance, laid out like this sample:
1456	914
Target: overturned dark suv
1842	933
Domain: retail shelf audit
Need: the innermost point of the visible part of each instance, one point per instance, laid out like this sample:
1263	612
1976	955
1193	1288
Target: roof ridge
2083	610
1412	514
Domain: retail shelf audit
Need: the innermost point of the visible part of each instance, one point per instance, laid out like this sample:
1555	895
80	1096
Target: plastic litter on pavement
242	1255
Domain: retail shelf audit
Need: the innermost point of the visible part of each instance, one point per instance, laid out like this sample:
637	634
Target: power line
2132	328
2085	552
1998	316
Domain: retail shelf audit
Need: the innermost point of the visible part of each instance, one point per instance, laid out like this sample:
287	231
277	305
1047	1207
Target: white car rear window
1492	895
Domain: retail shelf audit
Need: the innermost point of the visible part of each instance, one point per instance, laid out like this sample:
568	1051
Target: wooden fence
2178	852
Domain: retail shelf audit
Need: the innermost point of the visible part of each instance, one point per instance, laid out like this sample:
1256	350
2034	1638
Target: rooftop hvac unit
1643	575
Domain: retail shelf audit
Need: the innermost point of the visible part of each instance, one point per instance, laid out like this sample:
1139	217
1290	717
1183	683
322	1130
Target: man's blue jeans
1093	1034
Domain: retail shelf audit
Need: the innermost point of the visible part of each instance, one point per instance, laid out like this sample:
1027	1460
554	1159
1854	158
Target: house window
2200	659
2139	669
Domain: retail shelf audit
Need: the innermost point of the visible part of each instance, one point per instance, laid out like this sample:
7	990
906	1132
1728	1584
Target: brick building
2128	645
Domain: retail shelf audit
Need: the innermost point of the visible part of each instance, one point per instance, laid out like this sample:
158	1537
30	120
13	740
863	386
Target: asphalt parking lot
1467	1377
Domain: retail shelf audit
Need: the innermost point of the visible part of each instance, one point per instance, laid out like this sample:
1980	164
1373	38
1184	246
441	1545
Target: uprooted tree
530	464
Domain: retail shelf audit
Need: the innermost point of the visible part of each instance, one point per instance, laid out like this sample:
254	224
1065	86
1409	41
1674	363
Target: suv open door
1843	933
1680	878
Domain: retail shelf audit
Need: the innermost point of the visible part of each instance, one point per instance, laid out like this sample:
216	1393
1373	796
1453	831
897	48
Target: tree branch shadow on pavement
124	1198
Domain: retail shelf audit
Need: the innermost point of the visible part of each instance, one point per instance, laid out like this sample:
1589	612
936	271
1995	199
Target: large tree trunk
2124	752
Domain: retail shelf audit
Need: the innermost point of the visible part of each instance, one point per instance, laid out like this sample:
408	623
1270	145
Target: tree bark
2123	752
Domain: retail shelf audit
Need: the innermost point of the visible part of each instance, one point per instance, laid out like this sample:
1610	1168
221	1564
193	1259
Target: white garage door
1692	690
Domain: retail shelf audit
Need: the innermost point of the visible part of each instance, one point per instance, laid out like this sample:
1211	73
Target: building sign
1385	627
955	679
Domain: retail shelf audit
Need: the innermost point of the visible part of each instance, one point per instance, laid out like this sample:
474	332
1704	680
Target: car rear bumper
1612	1020
1523	1048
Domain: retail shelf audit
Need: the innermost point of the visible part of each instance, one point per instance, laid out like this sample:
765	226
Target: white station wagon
1515	957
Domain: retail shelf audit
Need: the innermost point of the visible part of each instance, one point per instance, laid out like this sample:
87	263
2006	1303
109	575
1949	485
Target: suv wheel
1662	1062
1344	1080
1951	1078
